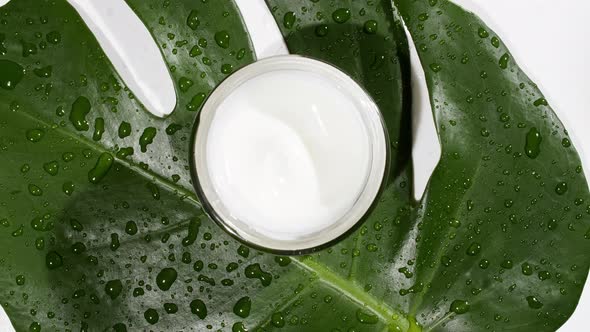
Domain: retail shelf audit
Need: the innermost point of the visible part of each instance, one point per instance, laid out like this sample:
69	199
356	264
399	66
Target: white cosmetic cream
293	152
288	153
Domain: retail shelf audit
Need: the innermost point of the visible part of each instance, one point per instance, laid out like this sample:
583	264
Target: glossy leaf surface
500	240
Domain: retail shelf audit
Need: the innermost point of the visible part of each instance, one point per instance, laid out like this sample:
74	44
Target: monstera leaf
100	229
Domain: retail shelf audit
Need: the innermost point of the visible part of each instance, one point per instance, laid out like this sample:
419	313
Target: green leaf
503	221
481	251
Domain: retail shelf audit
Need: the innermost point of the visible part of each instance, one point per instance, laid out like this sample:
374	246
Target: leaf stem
181	191
388	315
438	322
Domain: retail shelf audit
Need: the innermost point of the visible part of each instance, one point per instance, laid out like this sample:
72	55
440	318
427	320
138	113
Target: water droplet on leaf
370	27
53	37
321	30
119	327
170	308
366	318
113	288
98	129
495	42
541	102
115	244
193	231
51	167
255	272
166	278
222	39
532	146
131	227
534	302
277	319
80	109
484	264
78	248
193	20
341	15
199	308
147	138
244	251
20	280
185	84
151	316
101	168
473	249
34	190
483	33
12	74
35	135
459	307
227	68
35	327
446	260
154	190
283	261
289	20
242	307
193	105
544	275
53	260
239	327
504	61
125	152
76	225
506	264
435	67
124	129
561	188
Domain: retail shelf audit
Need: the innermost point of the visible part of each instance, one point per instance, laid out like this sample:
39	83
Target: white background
549	40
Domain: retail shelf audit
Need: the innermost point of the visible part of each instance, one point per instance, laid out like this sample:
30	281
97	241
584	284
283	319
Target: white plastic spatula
132	50
262	28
